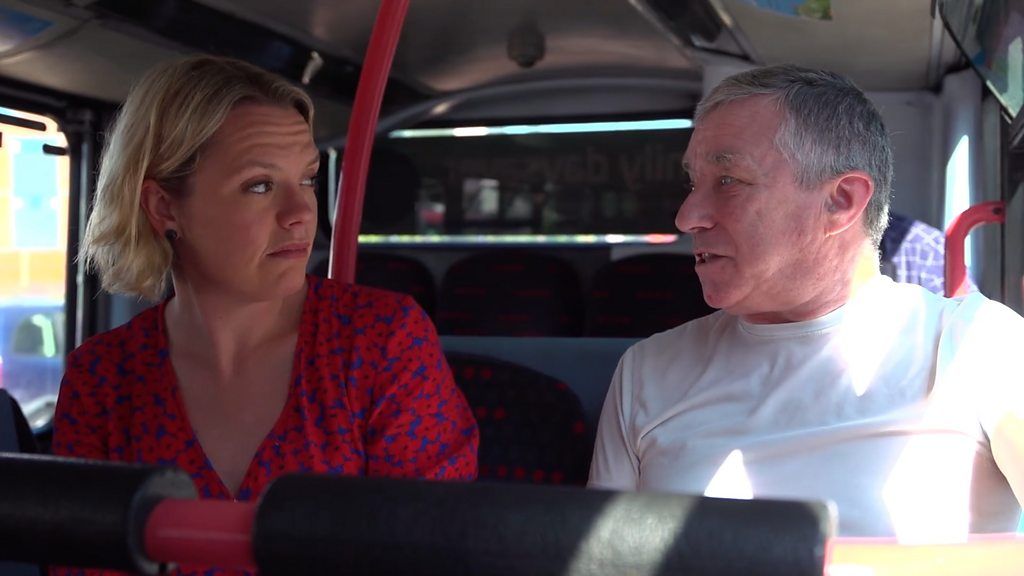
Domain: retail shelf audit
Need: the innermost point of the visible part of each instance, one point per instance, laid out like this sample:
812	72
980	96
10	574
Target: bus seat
15	433
398	274
15	436
510	293
532	426
391	272
641	295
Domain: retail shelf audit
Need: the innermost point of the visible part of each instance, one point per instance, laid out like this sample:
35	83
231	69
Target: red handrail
956	269
362	125
201	533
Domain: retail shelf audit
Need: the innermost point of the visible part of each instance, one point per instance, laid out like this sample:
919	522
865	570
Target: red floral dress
371	395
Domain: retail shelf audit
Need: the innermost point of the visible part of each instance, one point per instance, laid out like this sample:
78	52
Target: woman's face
247	221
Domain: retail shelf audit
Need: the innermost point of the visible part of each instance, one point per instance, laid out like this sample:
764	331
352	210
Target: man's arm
615	464
1007	441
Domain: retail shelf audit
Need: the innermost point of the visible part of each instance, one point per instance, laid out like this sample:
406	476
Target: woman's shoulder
350	311
347	297
141	333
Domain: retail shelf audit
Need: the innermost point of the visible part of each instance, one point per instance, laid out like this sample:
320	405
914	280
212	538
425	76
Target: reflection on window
991	34
579	180
37	336
34	185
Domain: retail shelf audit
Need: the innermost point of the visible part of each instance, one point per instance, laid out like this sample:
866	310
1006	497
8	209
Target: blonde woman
252	368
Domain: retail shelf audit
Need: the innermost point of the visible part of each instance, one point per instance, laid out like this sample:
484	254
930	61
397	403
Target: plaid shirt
914	252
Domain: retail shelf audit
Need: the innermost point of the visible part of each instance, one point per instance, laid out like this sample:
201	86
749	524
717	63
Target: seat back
398	274
640	295
510	293
532	426
15	436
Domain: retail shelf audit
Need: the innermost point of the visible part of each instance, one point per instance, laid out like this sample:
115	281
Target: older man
819	378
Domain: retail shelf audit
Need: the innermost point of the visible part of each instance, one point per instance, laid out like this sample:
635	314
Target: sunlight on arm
1008	449
731	480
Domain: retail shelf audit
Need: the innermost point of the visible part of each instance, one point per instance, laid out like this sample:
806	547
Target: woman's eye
261	187
310	181
726	180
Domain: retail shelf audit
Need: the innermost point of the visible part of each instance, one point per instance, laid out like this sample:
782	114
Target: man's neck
844	278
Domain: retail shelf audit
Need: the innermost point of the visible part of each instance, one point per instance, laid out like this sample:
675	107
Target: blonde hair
159	134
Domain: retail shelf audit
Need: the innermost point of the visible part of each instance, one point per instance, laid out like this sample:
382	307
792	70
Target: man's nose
694	213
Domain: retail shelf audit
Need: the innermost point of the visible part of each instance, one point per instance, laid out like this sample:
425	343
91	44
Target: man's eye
726	180
261	187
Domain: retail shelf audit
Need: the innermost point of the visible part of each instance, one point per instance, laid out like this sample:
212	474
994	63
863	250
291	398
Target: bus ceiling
96	48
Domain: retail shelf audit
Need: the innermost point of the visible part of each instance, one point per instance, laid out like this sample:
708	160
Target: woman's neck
219	333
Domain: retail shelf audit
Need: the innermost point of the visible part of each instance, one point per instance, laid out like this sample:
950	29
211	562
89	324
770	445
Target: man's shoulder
687	338
984	316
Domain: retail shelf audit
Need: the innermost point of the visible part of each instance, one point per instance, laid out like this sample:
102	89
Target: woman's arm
420	425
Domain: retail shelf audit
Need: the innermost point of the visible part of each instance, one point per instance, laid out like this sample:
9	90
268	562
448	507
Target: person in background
818	378
251	369
915	253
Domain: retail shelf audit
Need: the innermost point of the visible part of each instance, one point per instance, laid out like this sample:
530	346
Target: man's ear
157	203
848	197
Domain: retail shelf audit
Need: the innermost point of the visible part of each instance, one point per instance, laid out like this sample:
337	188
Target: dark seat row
524	293
532	426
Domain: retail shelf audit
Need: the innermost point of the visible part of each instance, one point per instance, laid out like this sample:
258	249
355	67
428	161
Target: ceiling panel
880	44
452	44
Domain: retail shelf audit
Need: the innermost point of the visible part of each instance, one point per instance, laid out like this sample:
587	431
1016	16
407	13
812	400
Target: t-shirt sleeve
420	425
980	350
1002	414
80	422
615	464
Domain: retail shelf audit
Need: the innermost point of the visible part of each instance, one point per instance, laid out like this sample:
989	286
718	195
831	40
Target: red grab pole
956	270
376	65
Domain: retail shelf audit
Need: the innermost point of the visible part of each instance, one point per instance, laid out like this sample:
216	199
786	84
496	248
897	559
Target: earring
171	234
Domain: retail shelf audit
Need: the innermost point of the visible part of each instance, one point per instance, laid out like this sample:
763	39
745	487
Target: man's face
757	235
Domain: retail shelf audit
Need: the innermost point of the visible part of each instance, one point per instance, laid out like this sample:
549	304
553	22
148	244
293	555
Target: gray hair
829	127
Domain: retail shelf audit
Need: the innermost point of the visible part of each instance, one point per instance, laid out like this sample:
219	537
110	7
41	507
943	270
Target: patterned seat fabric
532	426
398	274
510	293
642	295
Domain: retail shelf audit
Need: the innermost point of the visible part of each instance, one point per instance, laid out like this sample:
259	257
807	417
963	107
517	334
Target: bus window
34	184
572	182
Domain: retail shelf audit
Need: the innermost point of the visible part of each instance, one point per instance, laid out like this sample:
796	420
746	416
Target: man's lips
705	256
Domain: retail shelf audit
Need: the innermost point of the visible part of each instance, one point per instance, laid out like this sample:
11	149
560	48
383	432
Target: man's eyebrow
734	160
728	159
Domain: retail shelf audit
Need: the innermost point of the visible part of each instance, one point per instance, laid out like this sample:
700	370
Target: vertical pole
359	144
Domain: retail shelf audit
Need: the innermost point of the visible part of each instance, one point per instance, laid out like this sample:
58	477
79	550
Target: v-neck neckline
170	381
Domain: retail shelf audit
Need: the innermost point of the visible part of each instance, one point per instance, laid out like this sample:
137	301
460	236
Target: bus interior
526	170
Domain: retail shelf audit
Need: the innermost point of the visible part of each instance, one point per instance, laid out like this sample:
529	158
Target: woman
252	368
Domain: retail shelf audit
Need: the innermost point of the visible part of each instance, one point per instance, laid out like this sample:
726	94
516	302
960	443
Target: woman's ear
158	205
847	199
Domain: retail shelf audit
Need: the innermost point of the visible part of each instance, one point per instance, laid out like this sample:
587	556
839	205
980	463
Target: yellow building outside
34	185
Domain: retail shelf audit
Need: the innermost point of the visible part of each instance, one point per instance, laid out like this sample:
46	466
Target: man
818	378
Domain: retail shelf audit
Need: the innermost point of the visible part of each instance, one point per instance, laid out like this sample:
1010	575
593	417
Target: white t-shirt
882	407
